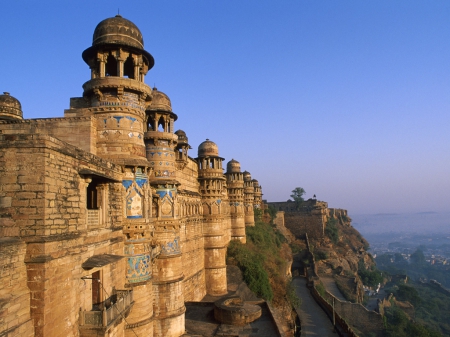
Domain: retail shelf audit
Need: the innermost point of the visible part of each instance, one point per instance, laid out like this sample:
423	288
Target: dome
10	107
247	176
182	138
208	148
233	166
118	30
255	183
160	101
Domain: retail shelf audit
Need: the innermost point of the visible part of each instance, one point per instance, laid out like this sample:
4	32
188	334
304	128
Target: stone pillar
235	184
101	58
139	274
214	233
168	284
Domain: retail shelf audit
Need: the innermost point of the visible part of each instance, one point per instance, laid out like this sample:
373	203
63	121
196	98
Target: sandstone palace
108	224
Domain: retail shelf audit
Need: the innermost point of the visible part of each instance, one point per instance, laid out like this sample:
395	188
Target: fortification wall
309	218
77	131
15	317
301	223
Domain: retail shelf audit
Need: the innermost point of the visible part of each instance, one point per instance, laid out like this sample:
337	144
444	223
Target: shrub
321	255
252	266
321	289
332	231
370	278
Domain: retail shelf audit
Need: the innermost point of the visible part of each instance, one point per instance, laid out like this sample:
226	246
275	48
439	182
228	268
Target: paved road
330	285
314	321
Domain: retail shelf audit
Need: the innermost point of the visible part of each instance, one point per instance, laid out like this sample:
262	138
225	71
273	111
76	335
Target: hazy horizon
419	222
349	100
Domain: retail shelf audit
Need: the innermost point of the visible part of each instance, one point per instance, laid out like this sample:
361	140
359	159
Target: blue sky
348	99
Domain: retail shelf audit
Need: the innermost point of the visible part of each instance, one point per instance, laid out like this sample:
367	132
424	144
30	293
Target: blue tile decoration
134	194
118	118
171	247
164	192
127	183
139	268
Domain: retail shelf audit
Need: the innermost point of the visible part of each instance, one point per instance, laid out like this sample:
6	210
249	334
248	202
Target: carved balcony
109	312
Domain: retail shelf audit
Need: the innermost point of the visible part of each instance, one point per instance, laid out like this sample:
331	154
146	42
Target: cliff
333	255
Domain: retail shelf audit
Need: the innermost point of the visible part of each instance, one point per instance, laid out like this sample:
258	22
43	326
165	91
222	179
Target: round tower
160	143
10	107
116	96
258	194
182	149
211	182
235	185
249	195
160	140
116	93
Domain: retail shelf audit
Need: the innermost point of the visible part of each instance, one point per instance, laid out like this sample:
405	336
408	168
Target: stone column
168	284
139	274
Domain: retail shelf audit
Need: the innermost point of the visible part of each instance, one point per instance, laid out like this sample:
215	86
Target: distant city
405	233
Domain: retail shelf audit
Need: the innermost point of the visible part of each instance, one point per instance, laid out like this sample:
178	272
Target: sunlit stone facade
107	224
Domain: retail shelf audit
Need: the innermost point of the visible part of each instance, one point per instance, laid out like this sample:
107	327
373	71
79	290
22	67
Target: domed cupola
208	148
247	176
116	93
160	140
118	32
182	138
233	166
182	148
10	107
160	101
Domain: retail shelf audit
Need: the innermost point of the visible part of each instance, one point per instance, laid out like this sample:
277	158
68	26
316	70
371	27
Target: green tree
417	258
272	211
257	213
297	196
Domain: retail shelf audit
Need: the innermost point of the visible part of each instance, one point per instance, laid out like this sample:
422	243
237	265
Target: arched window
111	66
161	124
128	68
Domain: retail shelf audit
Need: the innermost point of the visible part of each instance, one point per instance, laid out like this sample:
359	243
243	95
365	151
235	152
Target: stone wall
311	217
77	131
15	317
43	195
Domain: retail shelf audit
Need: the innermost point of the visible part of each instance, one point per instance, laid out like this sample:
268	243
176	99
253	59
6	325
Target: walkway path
330	285
313	319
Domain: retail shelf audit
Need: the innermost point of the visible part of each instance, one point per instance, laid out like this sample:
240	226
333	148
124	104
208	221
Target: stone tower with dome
249	197
235	185
108	225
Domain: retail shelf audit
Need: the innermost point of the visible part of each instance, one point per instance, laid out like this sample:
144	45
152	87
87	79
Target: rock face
342	256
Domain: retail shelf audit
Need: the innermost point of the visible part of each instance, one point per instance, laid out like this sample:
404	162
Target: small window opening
92	195
128	68
161	123
111	66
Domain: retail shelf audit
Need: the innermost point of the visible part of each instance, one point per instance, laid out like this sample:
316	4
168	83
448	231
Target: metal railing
109	310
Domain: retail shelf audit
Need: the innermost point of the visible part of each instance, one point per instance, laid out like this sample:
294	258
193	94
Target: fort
104	213
310	217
